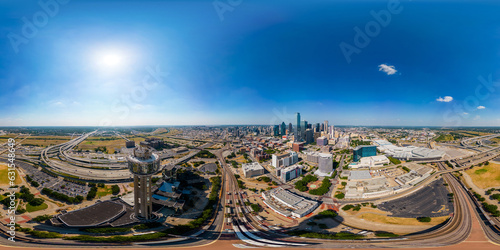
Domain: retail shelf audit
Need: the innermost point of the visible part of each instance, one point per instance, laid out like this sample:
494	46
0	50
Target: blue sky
257	62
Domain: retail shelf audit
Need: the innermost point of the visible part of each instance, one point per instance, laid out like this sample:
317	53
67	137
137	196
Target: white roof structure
288	203
408	153
360	175
252	166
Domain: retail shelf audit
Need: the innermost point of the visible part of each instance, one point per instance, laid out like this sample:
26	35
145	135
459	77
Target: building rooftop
292	201
360	175
364	146
251	166
315	153
209	167
168	187
97	214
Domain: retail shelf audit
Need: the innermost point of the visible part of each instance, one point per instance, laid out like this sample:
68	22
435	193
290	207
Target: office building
324	161
326	126
283	128
309	136
303	127
276	130
322	141
297	132
364	151
297	146
284	160
290	128
289	173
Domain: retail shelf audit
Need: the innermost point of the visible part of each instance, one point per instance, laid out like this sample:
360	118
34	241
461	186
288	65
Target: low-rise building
130	144
370	162
297	146
364	151
288	204
252	169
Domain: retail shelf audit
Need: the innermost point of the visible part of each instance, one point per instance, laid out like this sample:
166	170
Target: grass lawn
104	191
31	208
401	221
486	176
4	177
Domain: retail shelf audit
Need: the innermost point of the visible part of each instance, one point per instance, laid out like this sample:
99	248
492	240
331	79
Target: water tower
143	163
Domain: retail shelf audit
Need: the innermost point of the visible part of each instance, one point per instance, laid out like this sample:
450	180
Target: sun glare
111	60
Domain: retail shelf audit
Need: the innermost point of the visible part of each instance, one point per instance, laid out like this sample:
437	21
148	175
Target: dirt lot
486	176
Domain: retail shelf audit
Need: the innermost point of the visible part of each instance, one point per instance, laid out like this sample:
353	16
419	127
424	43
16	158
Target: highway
100	170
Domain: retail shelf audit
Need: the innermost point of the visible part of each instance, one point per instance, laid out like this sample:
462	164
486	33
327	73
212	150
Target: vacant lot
401	221
4	178
485	177
5	138
44	141
92	143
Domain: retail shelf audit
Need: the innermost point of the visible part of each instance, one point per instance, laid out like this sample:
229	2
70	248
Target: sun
110	60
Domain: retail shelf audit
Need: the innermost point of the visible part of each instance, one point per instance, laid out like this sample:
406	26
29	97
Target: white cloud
445	99
389	70
56	103
477	118
481	107
465	113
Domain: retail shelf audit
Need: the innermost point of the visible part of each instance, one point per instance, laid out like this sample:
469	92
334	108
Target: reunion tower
143	164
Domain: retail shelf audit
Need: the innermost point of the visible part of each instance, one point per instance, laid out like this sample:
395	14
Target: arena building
288	204
111	213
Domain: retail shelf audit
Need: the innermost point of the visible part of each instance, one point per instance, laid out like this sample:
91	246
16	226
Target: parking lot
56	184
430	201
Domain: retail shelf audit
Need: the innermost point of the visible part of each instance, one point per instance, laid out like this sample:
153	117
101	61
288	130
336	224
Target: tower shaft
143	204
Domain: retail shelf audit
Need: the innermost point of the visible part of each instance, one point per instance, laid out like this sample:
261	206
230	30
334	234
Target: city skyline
191	64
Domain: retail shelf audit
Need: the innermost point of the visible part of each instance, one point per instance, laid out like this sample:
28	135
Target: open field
45	141
31	208
93	142
104	191
5	138
400	221
4	178
485	177
366	210
445	137
472	133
